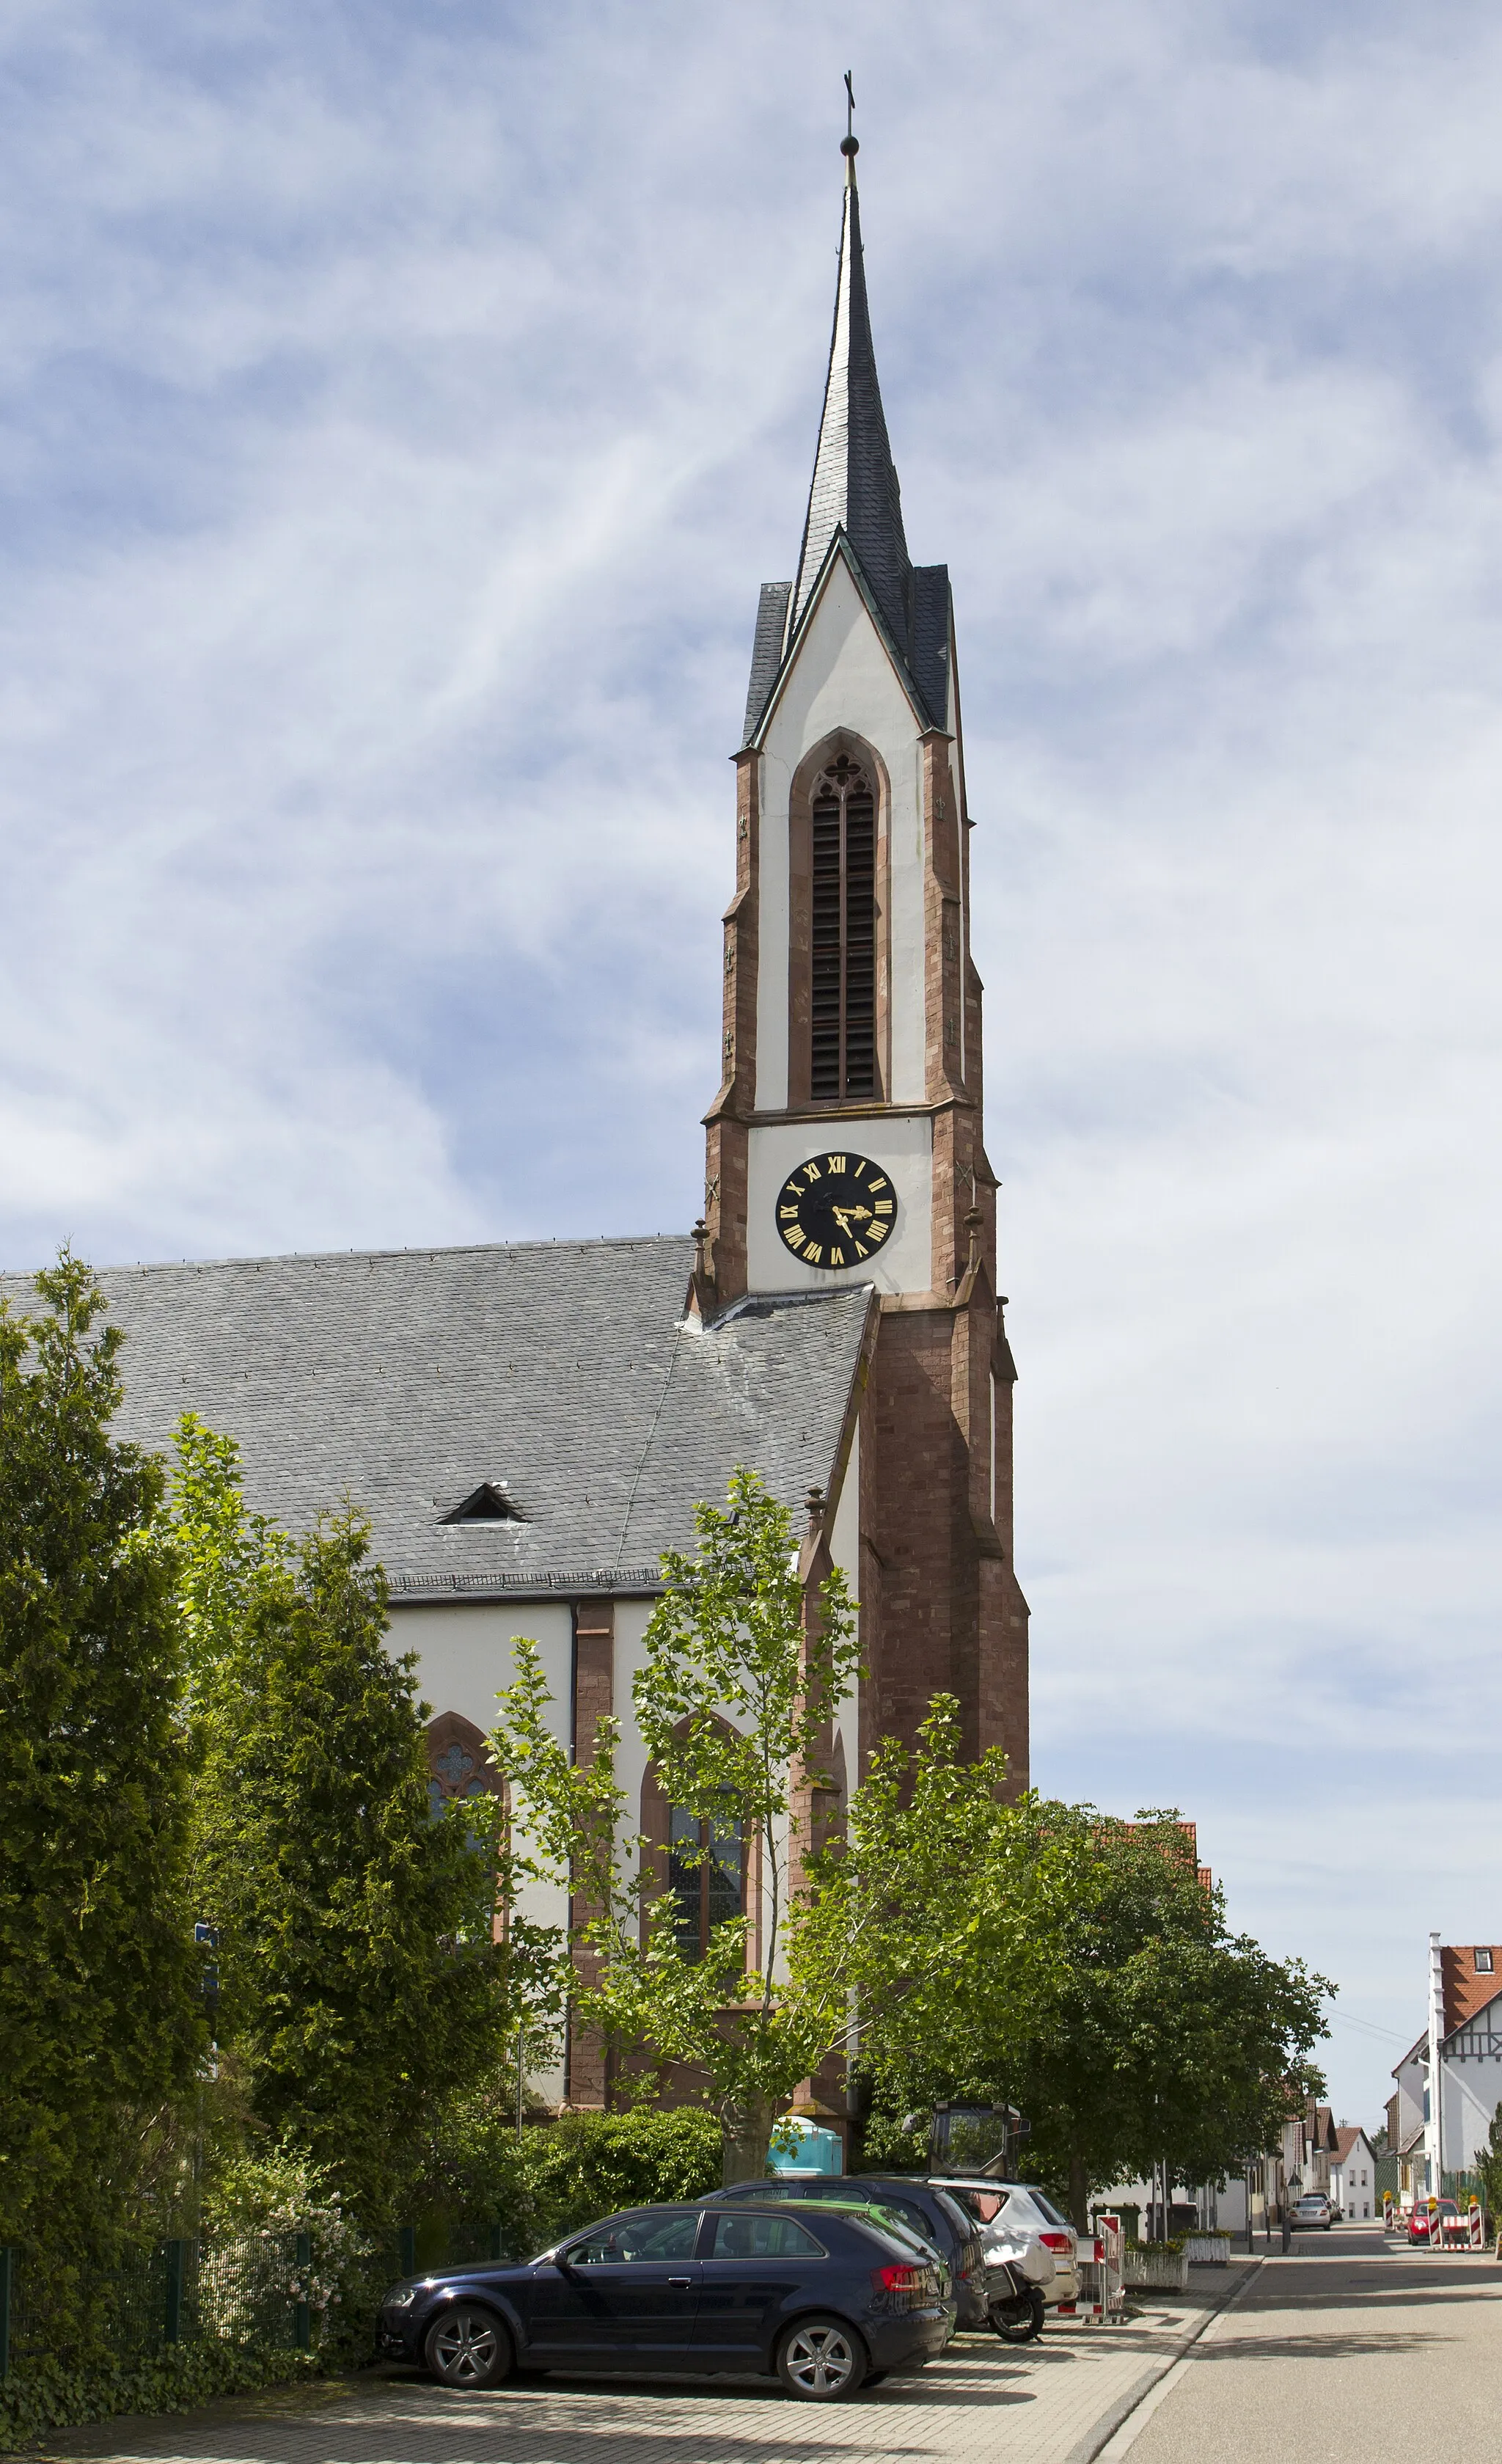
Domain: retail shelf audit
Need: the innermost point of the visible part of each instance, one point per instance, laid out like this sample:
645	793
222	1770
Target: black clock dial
836	1210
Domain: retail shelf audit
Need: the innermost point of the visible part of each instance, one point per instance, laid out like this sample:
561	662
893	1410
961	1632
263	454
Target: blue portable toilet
800	2146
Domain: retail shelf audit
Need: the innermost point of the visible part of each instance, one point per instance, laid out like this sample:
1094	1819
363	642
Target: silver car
1020	2222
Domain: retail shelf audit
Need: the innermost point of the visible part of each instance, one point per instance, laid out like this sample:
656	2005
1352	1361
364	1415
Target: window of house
704	1875
843	934
1483	1959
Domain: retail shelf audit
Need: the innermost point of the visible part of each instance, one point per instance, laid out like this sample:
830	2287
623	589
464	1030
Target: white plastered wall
901	1143
1472	2093
844	678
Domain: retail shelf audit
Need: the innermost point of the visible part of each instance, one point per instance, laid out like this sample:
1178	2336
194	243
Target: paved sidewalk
983	2403
1352	2348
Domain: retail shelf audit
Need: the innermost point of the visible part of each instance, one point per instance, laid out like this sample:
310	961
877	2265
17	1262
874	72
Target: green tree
361	1982
226	1557
733	1699
100	2012
1167	2037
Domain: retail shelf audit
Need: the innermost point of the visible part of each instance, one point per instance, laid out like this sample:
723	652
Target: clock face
836	1210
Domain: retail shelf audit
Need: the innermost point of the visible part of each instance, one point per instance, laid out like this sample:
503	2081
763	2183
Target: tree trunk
1079	2193
745	2135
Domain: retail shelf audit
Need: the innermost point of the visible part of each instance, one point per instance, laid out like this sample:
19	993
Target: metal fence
239	2292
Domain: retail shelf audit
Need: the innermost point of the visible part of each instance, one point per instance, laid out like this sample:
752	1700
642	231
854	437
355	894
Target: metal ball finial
850	145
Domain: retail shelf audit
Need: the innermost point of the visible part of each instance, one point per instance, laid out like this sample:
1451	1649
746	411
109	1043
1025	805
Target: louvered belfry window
842	956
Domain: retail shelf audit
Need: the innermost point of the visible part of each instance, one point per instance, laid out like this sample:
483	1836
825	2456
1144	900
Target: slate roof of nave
563	1372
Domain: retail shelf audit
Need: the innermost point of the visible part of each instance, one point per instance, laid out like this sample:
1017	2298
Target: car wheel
467	2349
821	2360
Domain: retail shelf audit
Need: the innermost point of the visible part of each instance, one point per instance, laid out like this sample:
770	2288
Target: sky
399	410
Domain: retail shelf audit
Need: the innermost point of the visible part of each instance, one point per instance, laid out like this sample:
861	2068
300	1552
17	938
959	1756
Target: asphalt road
1353	2349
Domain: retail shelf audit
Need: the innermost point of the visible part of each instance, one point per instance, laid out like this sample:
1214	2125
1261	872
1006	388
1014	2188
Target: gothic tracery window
458	1765
843	934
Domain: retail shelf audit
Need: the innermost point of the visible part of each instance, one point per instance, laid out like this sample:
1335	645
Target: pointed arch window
843	934
705	1875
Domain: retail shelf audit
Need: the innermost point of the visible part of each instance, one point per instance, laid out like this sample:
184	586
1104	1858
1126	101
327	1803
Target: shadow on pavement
1314	2348
404	2419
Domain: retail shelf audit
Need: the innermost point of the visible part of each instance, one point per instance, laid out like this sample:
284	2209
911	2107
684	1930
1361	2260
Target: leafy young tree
100	2015
733	1699
844	1936
946	1908
360	1980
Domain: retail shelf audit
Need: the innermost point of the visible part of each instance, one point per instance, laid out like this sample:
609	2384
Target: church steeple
855	499
854	482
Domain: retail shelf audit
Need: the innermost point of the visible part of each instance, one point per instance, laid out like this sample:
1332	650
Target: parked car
1312	2213
1018	2222
1447	2221
826	2303
926	2209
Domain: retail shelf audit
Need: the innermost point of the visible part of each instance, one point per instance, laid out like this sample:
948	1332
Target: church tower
845	1144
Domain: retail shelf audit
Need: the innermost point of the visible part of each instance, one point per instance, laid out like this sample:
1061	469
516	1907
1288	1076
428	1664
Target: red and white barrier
1102	2254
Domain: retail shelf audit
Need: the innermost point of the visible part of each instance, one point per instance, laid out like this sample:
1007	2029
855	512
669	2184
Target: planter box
1165	2272
1208	2250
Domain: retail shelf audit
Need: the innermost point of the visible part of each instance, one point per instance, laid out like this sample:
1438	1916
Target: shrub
481	2175
57	2395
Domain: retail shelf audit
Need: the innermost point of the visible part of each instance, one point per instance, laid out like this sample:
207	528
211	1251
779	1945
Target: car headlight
403	2295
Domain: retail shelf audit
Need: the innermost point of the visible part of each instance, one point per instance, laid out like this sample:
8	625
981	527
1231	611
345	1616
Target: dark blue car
926	2208
827	2303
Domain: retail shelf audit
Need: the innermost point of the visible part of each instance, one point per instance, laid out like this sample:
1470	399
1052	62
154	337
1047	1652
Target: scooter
1013	2308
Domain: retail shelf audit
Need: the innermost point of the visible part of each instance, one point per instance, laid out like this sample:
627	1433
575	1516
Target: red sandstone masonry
594	1700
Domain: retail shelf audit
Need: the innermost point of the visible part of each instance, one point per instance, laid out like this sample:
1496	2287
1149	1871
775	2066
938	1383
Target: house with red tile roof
1462	2046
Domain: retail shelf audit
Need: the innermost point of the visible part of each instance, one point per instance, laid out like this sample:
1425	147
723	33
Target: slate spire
854	484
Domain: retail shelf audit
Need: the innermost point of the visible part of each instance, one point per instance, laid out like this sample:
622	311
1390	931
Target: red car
1419	2221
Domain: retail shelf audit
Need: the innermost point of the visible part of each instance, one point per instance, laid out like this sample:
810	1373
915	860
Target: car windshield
1046	2208
649	2234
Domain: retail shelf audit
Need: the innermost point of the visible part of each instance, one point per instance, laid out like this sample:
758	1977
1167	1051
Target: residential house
1462	2047
1352	2174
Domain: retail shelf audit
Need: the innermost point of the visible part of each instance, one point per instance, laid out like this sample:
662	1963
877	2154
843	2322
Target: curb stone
1101	2432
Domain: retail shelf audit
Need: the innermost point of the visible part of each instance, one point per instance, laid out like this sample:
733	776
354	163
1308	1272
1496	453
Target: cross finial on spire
854	486
850	142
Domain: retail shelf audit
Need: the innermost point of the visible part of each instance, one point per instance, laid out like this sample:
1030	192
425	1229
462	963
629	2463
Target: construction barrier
1104	2301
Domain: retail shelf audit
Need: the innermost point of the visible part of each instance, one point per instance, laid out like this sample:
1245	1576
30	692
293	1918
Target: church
528	1426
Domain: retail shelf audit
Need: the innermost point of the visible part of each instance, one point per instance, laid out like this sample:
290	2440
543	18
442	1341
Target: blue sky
399	409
